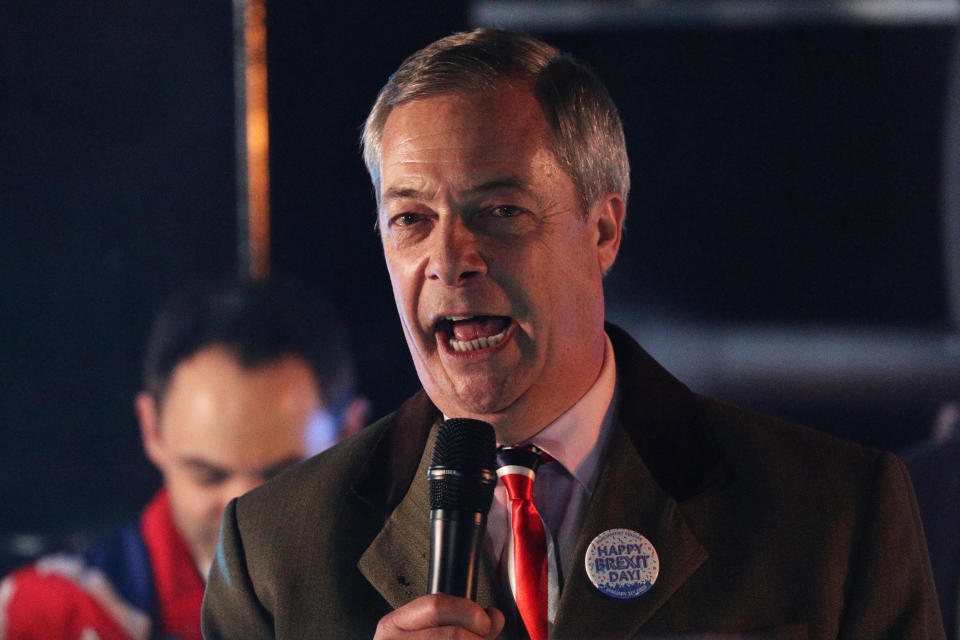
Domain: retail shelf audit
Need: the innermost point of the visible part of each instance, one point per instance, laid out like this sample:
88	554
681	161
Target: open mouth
473	333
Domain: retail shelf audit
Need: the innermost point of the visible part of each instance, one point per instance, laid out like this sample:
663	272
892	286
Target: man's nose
456	256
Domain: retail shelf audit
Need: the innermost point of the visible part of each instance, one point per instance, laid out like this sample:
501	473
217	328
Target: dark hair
260	322
588	141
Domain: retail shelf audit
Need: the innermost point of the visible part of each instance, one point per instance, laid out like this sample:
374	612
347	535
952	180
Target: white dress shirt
562	488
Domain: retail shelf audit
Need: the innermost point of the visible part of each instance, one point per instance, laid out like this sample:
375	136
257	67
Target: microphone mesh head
469	447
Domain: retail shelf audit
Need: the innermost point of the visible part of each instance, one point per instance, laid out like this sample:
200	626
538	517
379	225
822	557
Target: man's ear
355	417
148	416
608	212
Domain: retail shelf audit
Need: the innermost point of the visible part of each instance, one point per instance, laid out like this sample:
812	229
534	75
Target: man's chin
480	391
483	398
204	550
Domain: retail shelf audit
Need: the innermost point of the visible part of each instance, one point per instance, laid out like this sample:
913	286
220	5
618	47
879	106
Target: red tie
517	468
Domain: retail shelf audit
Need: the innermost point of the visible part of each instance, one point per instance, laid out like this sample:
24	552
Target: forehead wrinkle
507	183
418	159
459	156
399	193
454	138
465	140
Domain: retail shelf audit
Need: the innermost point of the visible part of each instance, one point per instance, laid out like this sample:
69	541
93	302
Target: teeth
457	318
478	343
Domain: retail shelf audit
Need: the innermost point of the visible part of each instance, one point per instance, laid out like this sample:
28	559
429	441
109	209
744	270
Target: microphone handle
455	539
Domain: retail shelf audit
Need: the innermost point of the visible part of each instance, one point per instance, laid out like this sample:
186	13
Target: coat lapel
626	497
659	453
397	561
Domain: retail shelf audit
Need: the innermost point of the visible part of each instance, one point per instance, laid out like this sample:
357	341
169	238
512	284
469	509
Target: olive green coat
763	530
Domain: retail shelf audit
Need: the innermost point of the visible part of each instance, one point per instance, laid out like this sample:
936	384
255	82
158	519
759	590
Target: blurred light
27	545
582	15
800	362
322	433
253	139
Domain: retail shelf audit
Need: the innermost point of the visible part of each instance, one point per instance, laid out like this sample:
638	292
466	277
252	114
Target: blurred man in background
241	380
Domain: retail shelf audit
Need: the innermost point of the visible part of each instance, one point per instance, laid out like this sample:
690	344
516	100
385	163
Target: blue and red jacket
138	582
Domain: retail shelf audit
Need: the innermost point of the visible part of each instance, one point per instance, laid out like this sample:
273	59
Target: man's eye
209	478
505	211
404	220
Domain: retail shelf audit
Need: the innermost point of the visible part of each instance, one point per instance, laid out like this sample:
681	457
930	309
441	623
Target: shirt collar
575	438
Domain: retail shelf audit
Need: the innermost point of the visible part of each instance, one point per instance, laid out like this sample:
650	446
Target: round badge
622	563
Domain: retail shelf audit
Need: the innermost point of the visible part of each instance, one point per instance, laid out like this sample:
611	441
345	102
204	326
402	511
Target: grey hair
588	141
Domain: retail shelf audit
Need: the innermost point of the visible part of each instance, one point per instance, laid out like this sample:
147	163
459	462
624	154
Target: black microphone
462	478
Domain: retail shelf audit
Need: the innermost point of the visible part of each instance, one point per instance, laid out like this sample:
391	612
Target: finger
439	633
496	622
438	610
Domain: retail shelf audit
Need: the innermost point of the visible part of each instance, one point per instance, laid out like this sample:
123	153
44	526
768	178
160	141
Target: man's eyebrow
501	184
395	193
202	465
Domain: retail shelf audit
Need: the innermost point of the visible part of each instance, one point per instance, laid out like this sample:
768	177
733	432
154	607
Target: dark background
787	197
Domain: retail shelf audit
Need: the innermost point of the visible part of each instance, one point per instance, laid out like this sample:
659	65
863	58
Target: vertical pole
252	138
950	197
